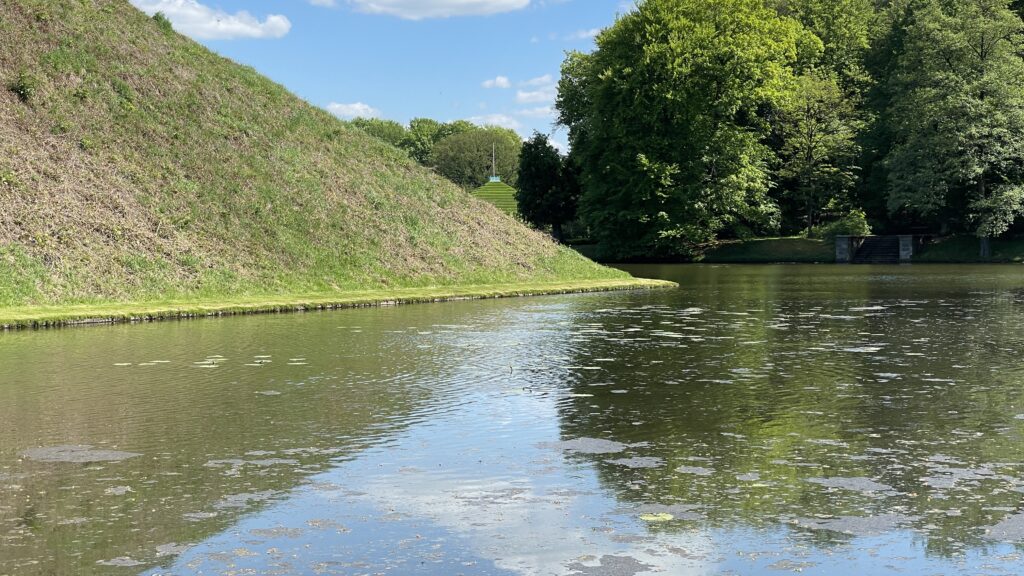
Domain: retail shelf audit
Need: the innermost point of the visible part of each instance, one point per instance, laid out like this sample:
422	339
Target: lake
758	420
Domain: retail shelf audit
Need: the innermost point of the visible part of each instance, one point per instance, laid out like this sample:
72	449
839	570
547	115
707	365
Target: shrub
24	86
163	23
855	223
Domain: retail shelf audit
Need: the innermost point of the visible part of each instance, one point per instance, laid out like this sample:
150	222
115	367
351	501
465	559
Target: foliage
163	23
549	188
842	27
855	223
387	130
465	157
819	125
958	115
667	117
424	133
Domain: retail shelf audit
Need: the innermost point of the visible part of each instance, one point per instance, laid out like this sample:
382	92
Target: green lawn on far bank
966	250
757	251
117	312
769	250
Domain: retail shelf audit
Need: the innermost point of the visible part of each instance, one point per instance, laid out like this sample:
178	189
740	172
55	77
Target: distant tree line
696	120
460	151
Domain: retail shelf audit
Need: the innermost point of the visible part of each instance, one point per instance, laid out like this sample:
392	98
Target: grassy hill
135	165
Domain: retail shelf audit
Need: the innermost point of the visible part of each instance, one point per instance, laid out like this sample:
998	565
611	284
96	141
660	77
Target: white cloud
539	112
327	3
542	96
540	90
499	82
501	120
420	9
545	80
354	110
584	34
200	21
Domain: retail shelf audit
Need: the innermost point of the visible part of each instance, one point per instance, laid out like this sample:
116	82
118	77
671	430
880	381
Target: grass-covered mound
500	195
135	165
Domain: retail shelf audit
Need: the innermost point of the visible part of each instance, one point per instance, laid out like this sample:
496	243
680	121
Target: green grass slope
135	165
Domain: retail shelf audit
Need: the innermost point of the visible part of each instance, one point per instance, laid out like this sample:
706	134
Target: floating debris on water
657	517
855	484
586	446
77	454
638	462
695	470
118	490
121	562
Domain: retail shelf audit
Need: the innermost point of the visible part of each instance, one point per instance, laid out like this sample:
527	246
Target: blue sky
489	61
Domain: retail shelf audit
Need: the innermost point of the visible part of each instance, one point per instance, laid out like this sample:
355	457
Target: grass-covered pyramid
500	195
137	165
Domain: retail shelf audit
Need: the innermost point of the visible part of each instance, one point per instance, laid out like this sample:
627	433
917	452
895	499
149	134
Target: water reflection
825	420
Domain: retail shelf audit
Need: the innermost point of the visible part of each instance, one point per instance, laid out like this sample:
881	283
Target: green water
758	420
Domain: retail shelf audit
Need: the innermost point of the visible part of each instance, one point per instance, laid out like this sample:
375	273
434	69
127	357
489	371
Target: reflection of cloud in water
534	511
530	530
466	499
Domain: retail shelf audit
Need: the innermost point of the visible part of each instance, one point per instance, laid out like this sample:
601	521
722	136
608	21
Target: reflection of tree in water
771	407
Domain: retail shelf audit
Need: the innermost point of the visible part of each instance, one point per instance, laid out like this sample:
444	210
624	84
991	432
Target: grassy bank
138	166
771	250
757	251
96	313
966	250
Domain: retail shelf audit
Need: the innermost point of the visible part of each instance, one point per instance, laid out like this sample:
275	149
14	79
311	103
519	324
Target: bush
24	86
853	224
163	23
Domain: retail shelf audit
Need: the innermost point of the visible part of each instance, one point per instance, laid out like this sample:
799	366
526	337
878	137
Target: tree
819	126
548	186
843	29
387	130
424	133
958	113
465	157
666	116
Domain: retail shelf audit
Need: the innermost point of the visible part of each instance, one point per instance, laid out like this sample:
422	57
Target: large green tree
819	125
465	157
958	115
667	118
548	187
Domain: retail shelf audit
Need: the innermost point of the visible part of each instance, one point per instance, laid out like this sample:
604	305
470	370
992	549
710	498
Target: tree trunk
986	248
556	232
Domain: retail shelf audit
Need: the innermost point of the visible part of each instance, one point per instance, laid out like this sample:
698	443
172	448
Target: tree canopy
548	185
459	150
465	157
668	119
958	115
696	120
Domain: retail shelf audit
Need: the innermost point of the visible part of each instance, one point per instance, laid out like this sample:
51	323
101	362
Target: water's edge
129	313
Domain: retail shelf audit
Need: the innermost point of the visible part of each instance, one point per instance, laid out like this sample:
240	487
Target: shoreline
69	315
